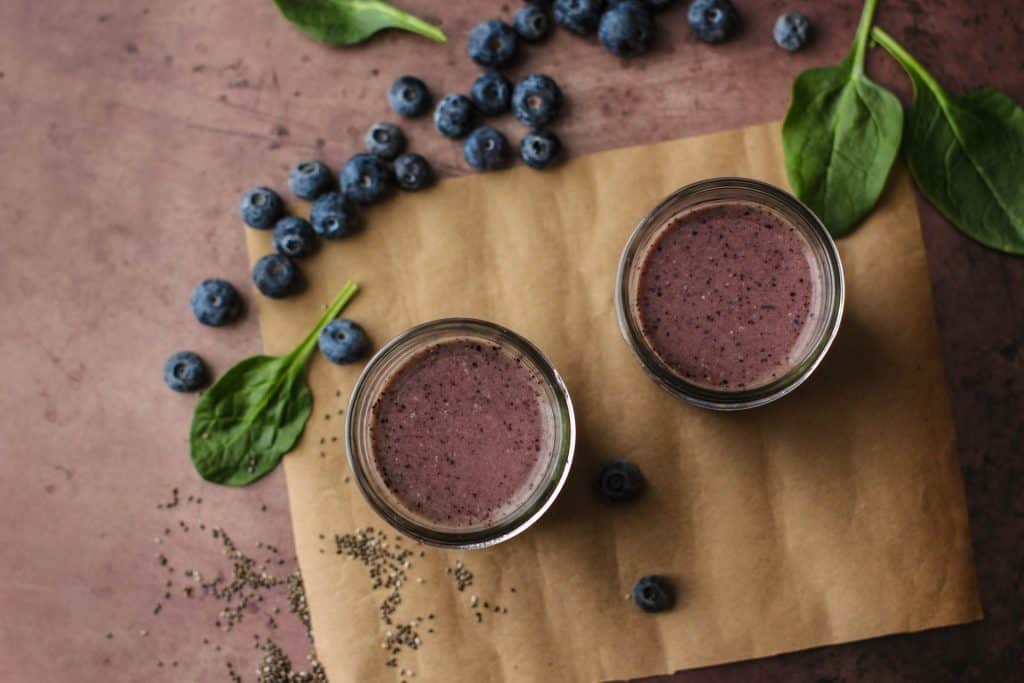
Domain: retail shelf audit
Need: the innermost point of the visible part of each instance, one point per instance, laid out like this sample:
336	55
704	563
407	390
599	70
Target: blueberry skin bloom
792	31
532	23
409	96
294	237
309	179
185	371
343	341
492	44
412	172
486	149
654	594
540	149
275	276
216	302
454	116
627	30
260	208
385	140
712	20
491	93
619	481
536	100
366	178
334	215
579	16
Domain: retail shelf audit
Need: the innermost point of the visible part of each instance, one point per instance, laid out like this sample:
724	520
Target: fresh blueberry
276	276
454	116
260	208
409	96
309	179
792	31
491	93
492	44
185	371
532	23
343	341
486	149
412	172
579	16
385	140
540	149
713	20
334	215
536	100
627	30
654	594
366	178
620	480
216	302
294	237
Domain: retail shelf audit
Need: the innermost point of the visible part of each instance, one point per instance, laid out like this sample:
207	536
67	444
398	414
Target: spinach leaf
346	22
841	136
246	422
966	154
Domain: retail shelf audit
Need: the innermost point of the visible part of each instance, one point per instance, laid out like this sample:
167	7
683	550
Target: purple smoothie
459	432
725	295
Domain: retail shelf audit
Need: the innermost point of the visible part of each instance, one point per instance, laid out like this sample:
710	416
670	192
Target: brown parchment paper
833	515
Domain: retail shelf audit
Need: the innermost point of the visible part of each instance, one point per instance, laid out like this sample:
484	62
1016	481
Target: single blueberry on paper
276	276
653	594
294	237
343	341
334	215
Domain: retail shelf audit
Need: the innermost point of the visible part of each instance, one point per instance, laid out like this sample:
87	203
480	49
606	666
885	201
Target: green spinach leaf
966	154
346	22
841	136
253	415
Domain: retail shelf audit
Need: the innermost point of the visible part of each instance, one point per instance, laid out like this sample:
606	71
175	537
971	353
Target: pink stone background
129	129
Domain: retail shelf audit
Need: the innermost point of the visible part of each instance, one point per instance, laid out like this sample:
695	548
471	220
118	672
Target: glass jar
532	499
826	297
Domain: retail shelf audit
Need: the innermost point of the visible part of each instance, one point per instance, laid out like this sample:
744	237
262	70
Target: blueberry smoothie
727	295
461	433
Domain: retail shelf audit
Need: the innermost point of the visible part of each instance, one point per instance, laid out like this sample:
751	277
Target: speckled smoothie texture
459	432
725	292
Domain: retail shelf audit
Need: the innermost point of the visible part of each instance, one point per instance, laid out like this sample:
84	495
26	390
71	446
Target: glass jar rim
547	488
793	211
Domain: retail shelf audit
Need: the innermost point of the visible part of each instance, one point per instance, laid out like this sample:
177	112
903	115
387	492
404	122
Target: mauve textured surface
130	129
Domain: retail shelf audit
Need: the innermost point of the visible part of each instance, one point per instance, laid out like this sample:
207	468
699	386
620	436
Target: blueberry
185	371
412	172
654	594
491	93
792	31
294	237
409	96
532	23
260	208
536	100
713	20
540	149
366	178
334	215
579	16
620	480
454	116
385	140
309	179
216	302
492	44
276	276
486	149
343	341
627	30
